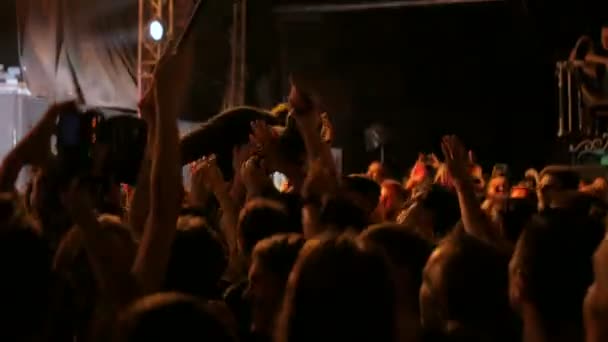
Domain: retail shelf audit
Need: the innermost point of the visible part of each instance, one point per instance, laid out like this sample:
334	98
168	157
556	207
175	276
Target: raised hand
327	129
207	174
456	158
419	170
254	175
262	134
319	181
35	147
266	142
240	154
300	102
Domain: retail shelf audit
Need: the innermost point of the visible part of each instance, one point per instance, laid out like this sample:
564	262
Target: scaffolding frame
149	52
236	92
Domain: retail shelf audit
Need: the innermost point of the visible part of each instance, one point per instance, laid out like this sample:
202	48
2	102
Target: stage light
156	30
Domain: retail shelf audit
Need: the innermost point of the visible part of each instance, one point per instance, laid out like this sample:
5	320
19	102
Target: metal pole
140	46
171	21
560	95
243	54
300	8
234	58
569	80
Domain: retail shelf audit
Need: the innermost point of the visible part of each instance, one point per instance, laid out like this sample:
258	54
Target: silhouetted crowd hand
324	257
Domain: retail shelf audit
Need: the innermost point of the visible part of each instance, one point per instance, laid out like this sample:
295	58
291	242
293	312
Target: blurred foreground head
272	261
339	290
26	278
555	182
551	268
173	317
464	290
407	253
376	172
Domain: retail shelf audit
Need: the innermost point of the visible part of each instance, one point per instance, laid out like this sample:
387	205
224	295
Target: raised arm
457	162
165	201
315	128
140	202
166	190
211	176
111	273
266	139
33	149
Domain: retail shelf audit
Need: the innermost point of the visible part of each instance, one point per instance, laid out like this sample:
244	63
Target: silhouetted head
272	261
407	253
73	268
434	211
551	267
555	181
172	317
45	204
392	199
198	259
25	263
595	307
339	290
376	172
361	191
514	216
465	288
259	219
340	214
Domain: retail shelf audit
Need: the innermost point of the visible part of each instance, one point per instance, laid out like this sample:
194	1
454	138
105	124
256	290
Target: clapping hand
206	174
254	175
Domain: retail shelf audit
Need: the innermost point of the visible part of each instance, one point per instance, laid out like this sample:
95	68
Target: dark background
484	72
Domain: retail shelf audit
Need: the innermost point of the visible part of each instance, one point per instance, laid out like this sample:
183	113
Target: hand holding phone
500	170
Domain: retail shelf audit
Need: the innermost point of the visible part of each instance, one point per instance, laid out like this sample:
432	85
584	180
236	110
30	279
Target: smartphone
519	192
75	137
279	180
125	137
69	129
500	170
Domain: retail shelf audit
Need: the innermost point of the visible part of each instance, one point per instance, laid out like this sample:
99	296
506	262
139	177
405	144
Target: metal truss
235	95
175	15
148	51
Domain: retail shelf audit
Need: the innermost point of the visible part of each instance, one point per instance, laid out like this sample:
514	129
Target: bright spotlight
156	30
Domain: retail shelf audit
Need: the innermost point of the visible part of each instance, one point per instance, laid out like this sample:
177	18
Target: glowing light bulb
157	31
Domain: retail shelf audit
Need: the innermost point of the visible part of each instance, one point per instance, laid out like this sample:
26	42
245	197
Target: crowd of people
449	254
